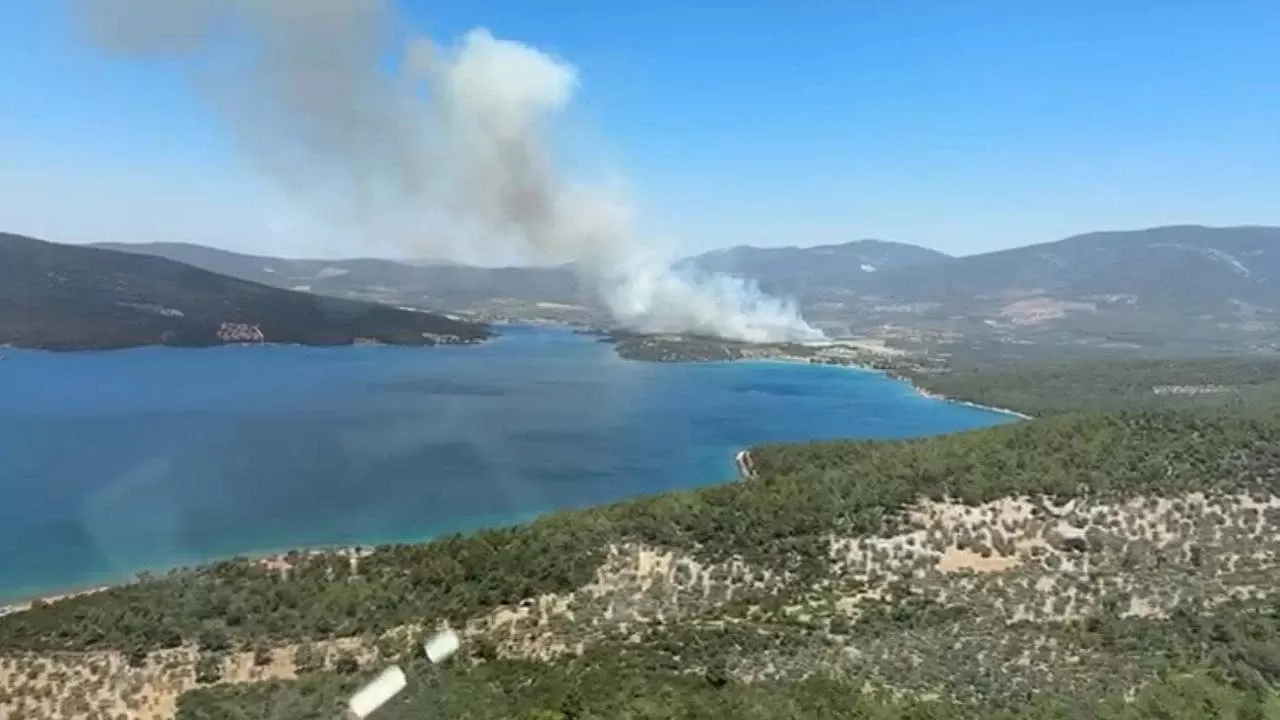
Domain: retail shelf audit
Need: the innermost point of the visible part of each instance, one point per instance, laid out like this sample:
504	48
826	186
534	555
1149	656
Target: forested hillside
66	297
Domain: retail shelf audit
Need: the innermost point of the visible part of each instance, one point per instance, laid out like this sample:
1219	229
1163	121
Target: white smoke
403	143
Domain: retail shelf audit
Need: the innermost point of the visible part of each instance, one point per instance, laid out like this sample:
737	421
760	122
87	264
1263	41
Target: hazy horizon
964	130
429	261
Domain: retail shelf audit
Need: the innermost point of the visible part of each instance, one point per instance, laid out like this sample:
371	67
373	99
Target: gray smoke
388	132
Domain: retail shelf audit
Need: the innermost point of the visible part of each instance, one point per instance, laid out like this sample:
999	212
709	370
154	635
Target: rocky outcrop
240	333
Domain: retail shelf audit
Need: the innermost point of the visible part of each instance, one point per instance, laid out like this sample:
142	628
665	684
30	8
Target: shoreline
910	382
279	560
214	346
965	403
743	460
25	604
275	560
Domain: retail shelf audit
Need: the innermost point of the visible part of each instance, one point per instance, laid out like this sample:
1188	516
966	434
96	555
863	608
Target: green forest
1162	607
1233	385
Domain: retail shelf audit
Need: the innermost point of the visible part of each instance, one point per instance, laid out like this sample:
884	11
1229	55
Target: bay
116	462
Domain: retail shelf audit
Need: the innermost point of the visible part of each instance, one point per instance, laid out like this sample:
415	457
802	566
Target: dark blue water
115	462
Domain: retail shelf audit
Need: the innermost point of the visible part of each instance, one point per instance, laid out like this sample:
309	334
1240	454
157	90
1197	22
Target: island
66	297
1102	560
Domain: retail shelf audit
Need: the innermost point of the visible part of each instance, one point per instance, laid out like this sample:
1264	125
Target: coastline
272	560
915	386
746	466
356	342
965	403
279	558
24	605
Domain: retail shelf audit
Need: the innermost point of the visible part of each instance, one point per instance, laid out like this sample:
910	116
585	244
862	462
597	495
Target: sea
116	462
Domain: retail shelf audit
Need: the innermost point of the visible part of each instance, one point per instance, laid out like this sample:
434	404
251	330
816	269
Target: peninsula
67	297
671	347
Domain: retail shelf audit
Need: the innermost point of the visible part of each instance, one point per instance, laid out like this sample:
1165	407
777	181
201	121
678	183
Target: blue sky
962	126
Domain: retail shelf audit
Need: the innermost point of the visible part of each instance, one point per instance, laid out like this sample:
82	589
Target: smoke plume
400	137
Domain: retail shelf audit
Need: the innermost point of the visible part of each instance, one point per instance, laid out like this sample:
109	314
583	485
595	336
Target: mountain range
1174	290
788	269
1170	290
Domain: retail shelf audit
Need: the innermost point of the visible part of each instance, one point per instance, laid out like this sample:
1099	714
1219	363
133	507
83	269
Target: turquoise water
115	462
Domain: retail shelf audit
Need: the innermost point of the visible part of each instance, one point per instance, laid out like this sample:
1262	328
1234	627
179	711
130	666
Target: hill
789	270
1172	290
484	293
1117	565
68	297
1193	267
